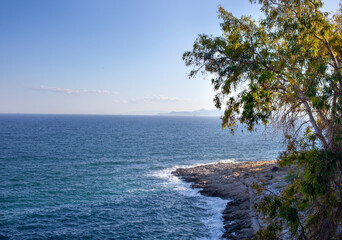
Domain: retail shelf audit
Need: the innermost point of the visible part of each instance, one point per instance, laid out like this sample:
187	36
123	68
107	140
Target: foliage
292	176
285	69
315	193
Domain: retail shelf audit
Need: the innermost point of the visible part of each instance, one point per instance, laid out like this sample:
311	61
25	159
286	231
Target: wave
213	206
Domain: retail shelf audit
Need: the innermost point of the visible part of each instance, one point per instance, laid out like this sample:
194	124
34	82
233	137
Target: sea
109	177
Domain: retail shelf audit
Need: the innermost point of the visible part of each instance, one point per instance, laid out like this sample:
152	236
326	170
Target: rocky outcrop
232	181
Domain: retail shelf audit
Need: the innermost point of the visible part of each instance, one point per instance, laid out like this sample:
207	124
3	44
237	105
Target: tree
285	69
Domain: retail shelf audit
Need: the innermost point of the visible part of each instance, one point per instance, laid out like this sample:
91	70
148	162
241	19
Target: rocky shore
232	181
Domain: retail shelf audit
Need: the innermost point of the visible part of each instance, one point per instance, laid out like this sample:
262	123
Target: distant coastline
197	113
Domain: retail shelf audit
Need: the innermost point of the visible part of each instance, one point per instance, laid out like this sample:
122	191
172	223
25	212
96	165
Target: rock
232	181
274	169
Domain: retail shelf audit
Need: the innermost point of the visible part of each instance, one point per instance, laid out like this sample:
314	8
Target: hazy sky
106	56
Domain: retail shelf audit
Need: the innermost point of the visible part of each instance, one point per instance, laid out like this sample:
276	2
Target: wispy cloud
72	91
157	99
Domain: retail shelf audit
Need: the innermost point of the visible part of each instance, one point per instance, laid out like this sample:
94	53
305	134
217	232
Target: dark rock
274	169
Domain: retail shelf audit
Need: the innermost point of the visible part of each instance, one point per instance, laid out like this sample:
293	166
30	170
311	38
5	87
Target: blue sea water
109	177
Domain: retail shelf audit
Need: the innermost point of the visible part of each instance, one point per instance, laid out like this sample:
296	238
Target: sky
106	56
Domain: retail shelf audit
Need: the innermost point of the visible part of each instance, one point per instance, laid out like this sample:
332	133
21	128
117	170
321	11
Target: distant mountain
198	113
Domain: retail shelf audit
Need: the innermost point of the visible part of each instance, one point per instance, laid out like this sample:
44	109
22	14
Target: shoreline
231	181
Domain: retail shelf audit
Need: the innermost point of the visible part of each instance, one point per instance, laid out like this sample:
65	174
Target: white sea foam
213	206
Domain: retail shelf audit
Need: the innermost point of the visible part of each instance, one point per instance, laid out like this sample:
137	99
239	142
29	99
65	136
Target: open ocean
109	177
